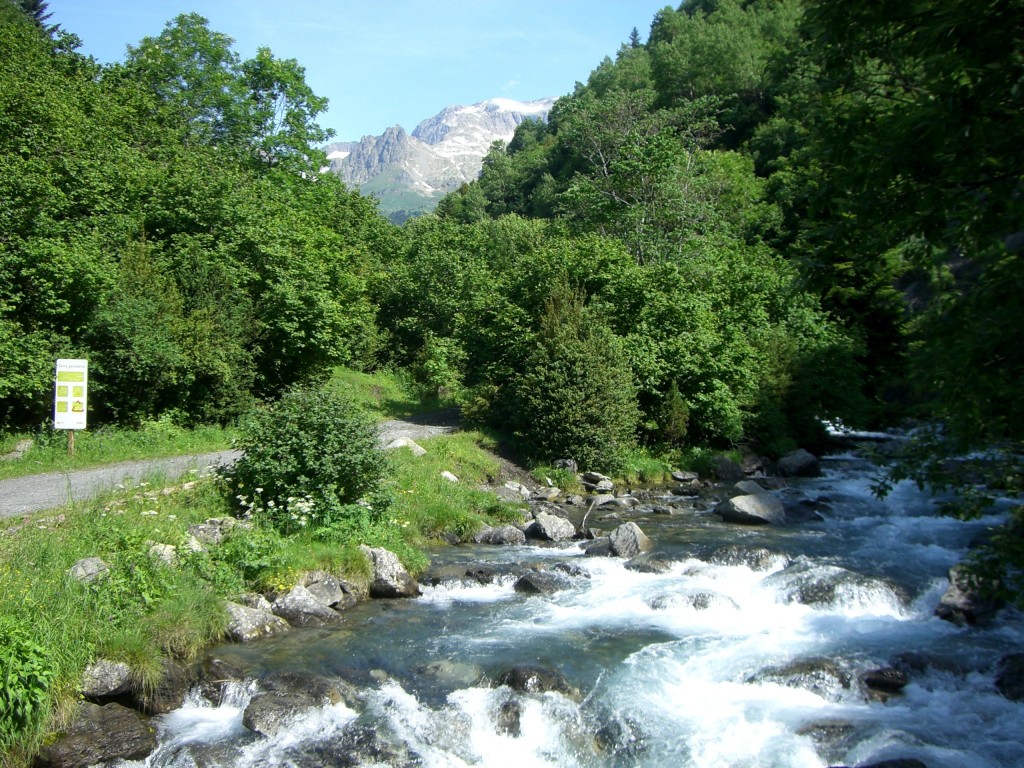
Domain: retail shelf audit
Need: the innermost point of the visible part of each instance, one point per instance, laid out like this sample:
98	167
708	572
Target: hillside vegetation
769	214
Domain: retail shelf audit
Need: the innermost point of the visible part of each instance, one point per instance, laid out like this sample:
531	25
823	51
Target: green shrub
25	678
576	399
305	458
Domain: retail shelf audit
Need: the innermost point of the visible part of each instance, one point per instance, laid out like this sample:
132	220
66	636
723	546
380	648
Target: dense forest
768	214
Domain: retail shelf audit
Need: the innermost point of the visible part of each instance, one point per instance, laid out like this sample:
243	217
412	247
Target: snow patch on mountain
442	153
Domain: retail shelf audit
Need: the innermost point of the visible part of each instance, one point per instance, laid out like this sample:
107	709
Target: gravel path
33	493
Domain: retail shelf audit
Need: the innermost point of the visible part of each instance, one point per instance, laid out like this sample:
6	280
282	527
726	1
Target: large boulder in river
799	463
502	536
246	624
963	602
530	679
541	583
300	608
100	735
169	691
328	589
821	676
752	509
548	527
390	579
629	541
270	713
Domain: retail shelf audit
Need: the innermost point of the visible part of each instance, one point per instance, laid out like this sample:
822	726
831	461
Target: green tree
575	399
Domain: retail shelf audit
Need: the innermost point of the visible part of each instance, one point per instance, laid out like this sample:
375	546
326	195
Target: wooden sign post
70	397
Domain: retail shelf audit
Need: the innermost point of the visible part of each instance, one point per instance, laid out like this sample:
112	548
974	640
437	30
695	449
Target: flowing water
745	660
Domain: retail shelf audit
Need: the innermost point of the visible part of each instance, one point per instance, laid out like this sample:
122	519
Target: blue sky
387	62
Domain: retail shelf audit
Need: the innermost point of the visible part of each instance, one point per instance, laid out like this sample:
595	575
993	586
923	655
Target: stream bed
739	646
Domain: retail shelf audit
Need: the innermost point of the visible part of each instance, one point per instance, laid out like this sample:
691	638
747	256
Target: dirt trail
33	493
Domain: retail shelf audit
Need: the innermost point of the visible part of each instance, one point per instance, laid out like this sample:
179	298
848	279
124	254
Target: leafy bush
25	678
305	458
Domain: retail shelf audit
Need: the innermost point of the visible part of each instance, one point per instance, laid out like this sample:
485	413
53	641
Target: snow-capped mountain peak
442	153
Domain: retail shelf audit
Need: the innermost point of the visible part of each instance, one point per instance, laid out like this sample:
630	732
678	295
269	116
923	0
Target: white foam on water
466	732
462	592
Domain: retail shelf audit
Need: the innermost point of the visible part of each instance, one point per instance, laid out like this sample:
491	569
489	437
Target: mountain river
728	655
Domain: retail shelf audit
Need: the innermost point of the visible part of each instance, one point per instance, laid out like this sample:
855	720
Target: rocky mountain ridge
409	173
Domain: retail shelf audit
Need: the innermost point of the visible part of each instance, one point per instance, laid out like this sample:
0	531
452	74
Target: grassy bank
145	610
108	445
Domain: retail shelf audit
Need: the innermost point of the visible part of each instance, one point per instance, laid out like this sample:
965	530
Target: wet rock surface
100	735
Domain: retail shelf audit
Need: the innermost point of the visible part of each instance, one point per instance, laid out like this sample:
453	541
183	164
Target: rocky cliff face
410	173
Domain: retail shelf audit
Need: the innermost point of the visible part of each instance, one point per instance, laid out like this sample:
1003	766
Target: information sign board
71	391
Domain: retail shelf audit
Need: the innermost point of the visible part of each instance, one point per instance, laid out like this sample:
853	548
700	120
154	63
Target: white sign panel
71	389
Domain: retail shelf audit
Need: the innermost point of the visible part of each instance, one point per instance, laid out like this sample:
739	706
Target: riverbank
161	597
815	636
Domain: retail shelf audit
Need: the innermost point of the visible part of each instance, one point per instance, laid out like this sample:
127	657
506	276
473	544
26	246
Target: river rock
270	713
809	583
531	679
599	500
593	478
89	570
99	735
648	563
390	579
752	509
1010	679
300	608
456	674
505	535
254	600
799	463
168	693
104	678
508	718
628	541
820	676
548	527
745	487
247	624
359	745
622	737
328	589
322	689
963	602
727	470
698	601
599	547
884	682
541	583
755	558
547	493
573	570
684	476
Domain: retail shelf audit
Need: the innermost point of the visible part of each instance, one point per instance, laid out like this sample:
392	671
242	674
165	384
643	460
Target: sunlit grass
388	394
109	445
